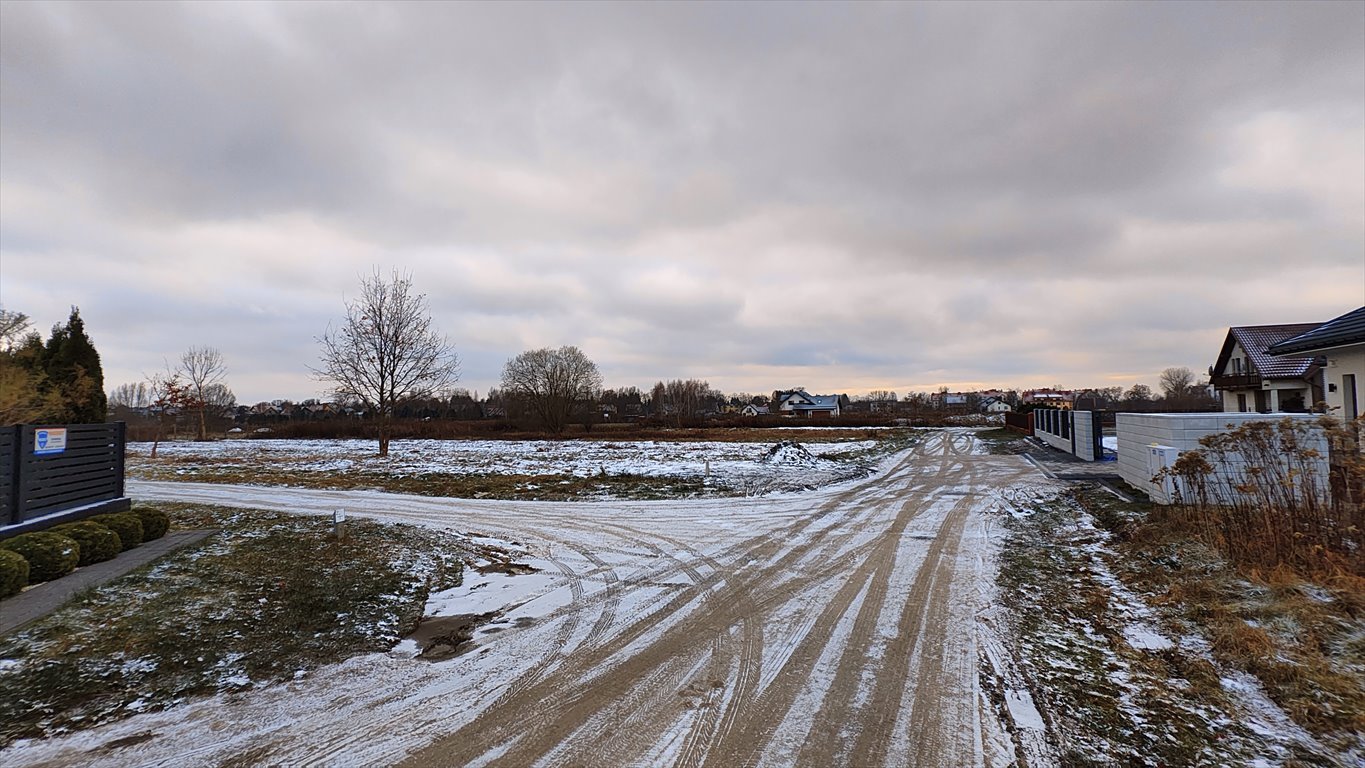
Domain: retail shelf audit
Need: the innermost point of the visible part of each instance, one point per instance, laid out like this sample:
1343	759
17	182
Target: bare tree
386	350
201	370
1176	382
168	396
879	396
1140	393
683	399
14	326
552	383
129	397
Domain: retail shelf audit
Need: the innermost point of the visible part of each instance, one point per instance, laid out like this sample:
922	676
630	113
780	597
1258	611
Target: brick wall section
1181	431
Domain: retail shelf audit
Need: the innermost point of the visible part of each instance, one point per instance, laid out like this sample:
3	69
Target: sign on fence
47	441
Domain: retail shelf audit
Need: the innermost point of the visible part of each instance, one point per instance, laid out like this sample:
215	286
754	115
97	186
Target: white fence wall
1083	431
1056	441
1079	431
1142	435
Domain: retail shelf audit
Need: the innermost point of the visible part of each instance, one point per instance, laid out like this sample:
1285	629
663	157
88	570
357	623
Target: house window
1241	403
1350	398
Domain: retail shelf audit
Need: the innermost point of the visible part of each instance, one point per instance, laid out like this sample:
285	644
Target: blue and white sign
46	441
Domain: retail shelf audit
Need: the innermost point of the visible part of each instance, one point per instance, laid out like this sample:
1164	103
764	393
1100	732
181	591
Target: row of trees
192	385
384	358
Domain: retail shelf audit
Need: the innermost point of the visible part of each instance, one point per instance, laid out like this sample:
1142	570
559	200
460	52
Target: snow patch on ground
494	592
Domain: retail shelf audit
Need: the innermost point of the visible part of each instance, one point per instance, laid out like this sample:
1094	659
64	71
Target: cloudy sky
843	197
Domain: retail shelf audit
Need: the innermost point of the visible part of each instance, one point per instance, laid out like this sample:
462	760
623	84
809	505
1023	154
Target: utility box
1160	457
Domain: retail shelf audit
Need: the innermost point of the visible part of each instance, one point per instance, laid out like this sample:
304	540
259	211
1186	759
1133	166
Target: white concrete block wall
1055	441
1084	428
1082	423
1137	432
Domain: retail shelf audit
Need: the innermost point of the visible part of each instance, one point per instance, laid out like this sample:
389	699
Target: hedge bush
155	523
49	555
127	525
98	543
13	573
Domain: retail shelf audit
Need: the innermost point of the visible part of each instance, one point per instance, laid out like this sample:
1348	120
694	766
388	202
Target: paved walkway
34	603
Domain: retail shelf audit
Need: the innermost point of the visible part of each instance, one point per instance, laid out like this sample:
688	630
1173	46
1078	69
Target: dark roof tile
1255	339
1337	332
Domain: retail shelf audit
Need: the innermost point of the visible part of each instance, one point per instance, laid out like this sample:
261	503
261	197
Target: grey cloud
531	162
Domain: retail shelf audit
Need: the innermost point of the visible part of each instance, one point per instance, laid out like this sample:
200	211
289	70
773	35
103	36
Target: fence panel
88	469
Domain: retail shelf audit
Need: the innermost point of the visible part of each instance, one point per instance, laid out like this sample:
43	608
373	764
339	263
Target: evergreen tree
73	370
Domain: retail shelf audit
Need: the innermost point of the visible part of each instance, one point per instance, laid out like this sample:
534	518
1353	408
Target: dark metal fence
48	470
1019	422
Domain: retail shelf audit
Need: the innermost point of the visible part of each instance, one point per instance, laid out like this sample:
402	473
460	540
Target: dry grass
1301	634
269	597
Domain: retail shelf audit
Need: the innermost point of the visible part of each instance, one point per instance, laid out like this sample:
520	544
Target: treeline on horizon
60	380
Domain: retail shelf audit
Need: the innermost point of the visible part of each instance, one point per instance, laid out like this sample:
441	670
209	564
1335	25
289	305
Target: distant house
1248	378
754	410
1338	348
1048	398
803	404
995	405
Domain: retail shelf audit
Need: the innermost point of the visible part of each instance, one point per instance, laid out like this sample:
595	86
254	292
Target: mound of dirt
790	453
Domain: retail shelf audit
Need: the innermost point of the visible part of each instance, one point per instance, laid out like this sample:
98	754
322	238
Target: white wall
1084	432
1056	441
1348	360
1138	432
1082	425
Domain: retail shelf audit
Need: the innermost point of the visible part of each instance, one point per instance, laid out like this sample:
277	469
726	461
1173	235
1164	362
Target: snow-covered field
507	457
746	467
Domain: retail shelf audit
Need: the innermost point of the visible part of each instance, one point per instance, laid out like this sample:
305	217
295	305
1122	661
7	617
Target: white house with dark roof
801	403
995	405
1339	344
1250	379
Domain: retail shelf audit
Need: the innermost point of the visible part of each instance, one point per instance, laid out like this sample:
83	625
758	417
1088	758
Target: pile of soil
790	453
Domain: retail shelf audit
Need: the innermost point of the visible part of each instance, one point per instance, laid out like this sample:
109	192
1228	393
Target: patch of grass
1107	702
1304	641
520	487
1003	441
273	594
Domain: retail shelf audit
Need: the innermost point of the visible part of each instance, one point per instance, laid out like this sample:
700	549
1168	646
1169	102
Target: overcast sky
837	196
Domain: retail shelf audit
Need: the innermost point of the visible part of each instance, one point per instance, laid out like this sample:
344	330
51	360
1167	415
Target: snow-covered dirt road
823	629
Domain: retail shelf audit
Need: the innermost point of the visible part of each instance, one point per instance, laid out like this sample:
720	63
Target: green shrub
155	523
13	573
98	543
49	555
127	525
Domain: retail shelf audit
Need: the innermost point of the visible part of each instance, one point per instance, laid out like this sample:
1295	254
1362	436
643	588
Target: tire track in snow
470	744
619	695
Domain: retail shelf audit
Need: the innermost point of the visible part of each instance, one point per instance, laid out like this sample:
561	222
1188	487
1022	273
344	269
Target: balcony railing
1236	381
